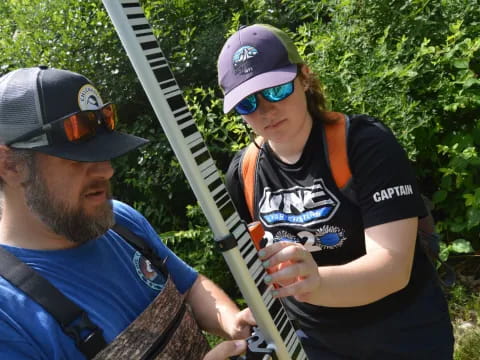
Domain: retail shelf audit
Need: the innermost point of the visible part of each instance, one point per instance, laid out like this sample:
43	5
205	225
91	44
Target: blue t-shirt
106	277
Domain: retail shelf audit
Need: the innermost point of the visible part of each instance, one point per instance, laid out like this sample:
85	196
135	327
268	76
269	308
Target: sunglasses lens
247	105
278	93
109	112
80	126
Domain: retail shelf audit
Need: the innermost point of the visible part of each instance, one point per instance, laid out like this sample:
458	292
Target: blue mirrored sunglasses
273	94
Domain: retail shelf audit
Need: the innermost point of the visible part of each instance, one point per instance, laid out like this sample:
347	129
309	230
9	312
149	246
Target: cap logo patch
241	63
89	98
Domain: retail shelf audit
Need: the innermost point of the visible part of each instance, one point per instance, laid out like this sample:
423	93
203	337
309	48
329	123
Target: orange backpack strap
248	167
335	136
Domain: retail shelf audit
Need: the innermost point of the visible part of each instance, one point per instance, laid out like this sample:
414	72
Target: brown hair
316	100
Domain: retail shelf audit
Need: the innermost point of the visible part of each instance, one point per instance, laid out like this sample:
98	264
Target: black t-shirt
301	202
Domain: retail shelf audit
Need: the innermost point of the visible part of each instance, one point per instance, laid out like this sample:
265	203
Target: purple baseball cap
256	57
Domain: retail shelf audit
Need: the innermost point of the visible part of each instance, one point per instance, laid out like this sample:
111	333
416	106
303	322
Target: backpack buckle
91	344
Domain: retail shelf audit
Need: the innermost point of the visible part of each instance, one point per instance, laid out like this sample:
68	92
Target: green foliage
464	304
191	33
75	35
467	344
197	247
465	313
413	64
223	134
459	185
458	246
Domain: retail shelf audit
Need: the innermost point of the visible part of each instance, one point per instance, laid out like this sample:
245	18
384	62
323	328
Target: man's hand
226	349
241	327
216	313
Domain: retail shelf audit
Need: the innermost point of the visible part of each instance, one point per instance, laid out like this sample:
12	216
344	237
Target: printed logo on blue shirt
147	272
303	206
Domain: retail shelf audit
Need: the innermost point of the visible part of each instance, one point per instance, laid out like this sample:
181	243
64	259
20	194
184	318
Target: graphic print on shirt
147	272
306	209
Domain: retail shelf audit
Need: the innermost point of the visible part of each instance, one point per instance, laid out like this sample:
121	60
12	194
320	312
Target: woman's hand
383	270
292	270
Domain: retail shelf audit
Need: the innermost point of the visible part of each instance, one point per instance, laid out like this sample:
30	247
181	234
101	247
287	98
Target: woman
352	276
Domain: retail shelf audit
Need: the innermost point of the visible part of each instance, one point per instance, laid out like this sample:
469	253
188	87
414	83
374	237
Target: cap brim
104	146
263	81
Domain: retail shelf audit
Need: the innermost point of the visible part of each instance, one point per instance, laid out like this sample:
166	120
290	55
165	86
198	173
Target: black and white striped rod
177	122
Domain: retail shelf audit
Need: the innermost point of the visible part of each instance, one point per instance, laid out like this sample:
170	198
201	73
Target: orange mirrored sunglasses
75	127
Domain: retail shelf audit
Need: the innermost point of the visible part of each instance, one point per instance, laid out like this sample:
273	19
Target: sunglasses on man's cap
76	127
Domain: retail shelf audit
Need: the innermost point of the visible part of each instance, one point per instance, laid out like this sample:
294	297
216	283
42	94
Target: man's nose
102	169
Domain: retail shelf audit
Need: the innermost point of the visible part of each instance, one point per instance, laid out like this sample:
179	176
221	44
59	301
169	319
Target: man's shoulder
121	207
124	212
133	220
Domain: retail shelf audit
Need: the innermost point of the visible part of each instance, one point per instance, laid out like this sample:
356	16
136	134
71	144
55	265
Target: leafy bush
196	246
413	64
467	345
464	304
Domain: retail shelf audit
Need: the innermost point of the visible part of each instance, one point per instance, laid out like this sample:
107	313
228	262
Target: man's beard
72	223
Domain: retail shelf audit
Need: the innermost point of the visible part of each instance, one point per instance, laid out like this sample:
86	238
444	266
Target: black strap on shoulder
52	300
141	245
72	319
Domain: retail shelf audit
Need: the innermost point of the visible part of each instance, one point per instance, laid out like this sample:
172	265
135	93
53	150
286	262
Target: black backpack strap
141	245
52	300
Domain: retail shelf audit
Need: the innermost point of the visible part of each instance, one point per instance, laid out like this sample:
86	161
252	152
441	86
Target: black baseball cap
33	97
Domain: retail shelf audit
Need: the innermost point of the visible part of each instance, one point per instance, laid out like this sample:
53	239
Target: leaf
457	227
439	196
470	81
461	246
473	217
461	63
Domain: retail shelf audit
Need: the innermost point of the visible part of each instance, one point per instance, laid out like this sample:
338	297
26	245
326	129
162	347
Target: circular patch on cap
89	98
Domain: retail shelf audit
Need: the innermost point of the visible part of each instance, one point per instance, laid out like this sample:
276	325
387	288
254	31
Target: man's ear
10	170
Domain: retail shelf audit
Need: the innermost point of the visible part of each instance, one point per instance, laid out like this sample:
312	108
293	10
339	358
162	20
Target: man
57	140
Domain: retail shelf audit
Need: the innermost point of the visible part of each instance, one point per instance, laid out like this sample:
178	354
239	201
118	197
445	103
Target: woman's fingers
291	269
287	273
302	289
281	252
